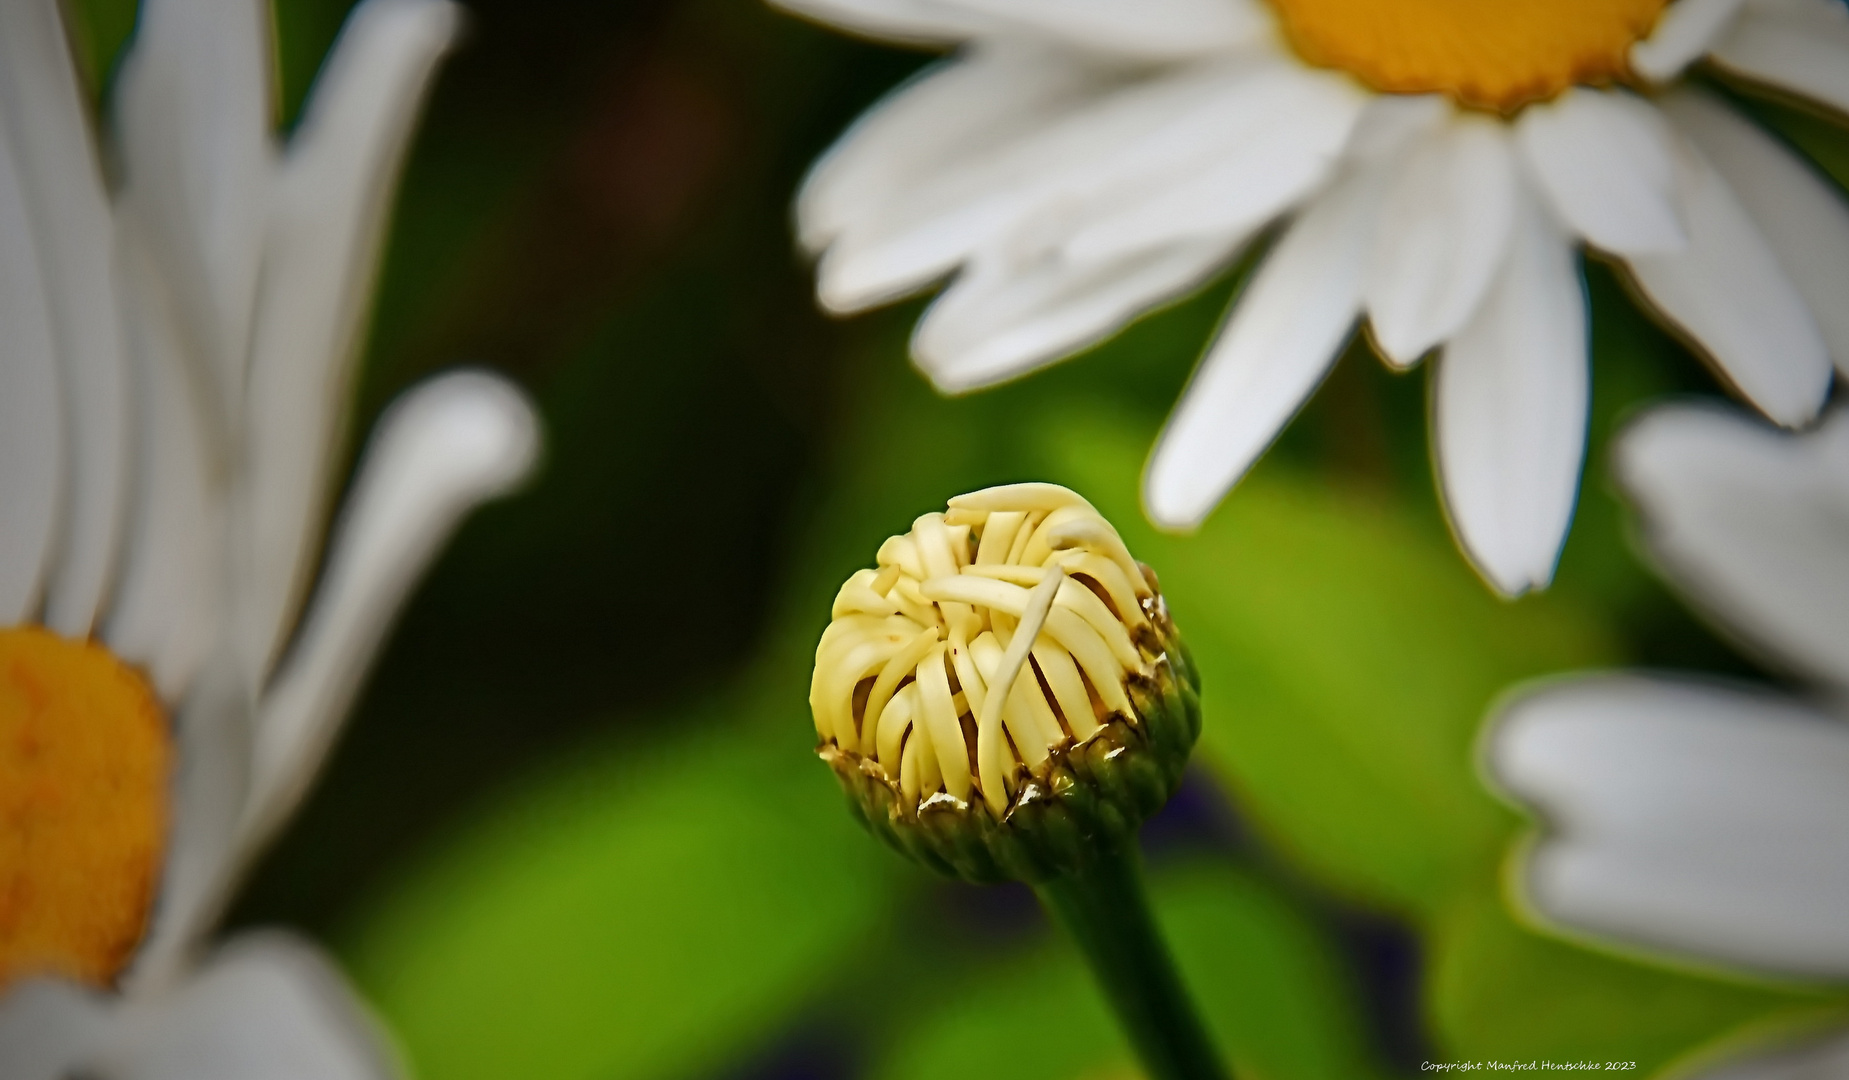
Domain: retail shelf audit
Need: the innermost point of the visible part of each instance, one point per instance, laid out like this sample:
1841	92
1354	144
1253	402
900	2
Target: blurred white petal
438	452
32	473
1685	30
1801	215
205	845
56	156
192	123
1687	817
953	111
320	259
1284	333
1000	319
1390	123
1281	137
1606	162
1140	29
1815	1060
1729	294
1441	236
265	1006
1750	522
1510	410
169	600
1113	145
48	1027
1796	45
924	22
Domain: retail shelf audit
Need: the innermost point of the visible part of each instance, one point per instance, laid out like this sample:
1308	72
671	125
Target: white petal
925	22
1055	176
1283	334
1687	817
192	120
1510	411
999	319
1139	29
206	850
952	112
438	452
1728	294
1685	30
48	1027
1441	236
1802	216
32	471
170	597
46	117
1390	123
1797	45
1750	521
265	1006
1281	137
320	259
1606	162
1818	1059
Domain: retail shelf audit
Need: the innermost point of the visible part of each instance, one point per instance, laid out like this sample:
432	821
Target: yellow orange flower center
83	807
1496	55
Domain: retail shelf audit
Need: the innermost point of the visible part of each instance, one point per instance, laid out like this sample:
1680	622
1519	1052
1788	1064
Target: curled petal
326	219
441	450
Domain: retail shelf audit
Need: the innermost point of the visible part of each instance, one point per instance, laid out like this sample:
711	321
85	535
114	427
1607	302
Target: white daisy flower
1433	165
1700	818
175	358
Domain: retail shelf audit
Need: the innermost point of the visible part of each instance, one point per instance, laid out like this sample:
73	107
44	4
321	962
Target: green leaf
1269	985
655	911
1500	990
1347	657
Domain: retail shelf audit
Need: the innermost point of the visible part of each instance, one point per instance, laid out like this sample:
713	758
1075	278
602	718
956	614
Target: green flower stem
1106	910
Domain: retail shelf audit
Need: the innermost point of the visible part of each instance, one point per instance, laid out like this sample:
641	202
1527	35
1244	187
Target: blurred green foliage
576	830
1266	978
650	910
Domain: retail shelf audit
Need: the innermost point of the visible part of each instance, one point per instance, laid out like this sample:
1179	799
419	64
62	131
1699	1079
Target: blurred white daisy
1701	818
1079	162
175	359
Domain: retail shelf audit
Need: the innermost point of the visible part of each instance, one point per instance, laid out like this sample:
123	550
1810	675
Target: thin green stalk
1106	910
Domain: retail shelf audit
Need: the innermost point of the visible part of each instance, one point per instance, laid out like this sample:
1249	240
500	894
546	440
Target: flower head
177	647
1434	166
1005	688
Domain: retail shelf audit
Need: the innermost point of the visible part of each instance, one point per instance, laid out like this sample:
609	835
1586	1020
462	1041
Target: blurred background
576	830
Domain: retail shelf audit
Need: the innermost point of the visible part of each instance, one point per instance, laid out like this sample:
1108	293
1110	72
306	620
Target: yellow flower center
83	807
1486	54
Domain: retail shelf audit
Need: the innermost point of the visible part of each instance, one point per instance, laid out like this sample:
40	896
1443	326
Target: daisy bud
1005	693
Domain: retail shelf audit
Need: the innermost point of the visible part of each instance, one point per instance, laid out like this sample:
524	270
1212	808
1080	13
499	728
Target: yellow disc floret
83	807
1491	55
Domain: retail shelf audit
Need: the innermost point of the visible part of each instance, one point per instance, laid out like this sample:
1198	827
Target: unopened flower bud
1005	691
